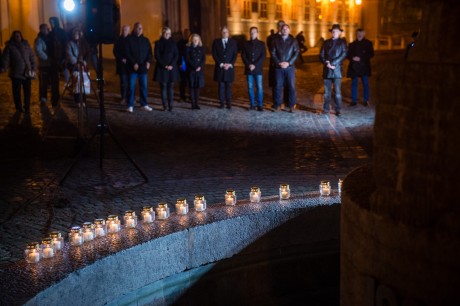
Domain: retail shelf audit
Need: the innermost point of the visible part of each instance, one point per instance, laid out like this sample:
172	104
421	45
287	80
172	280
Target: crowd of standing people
183	61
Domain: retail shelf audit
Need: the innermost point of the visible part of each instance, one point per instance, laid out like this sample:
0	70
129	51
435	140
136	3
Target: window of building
255	6
263	9
247	9
318	16
294	12
279	10
308	10
229	11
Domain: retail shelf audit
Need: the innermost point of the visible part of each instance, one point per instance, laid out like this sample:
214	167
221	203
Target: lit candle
47	248
200	203
181	206
75	236
340	185
88	231
254	195
148	214
230	197
58	240
285	192
325	188
130	219
100	227
113	224
162	211
32	252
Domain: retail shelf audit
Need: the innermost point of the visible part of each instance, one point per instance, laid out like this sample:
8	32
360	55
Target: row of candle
89	231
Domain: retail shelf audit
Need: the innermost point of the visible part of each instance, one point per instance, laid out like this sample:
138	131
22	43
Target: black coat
195	57
119	51
253	53
166	54
334	52
138	51
365	51
284	50
221	56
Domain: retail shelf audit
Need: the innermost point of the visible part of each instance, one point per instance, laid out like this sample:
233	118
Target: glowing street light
69	5
358	2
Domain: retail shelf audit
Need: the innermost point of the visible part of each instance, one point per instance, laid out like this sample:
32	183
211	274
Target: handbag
30	74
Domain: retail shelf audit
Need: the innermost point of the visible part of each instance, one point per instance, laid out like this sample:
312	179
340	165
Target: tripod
102	128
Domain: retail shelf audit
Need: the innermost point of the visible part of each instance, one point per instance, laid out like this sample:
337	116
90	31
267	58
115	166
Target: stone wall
400	239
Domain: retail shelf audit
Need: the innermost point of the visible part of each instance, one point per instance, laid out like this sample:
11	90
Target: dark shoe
353	104
221	106
197	106
229	106
260	109
291	109
275	108
170	109
337	114
252	108
366	103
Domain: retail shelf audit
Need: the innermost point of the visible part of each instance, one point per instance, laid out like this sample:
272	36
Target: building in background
387	24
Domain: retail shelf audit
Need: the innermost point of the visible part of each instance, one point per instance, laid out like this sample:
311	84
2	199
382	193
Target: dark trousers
225	93
54	79
183	84
167	94
195	95
43	82
16	86
285	78
124	86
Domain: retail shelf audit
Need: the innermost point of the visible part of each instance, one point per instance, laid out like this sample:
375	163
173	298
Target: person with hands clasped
139	56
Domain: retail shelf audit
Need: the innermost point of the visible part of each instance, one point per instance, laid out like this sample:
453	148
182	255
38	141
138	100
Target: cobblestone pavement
183	153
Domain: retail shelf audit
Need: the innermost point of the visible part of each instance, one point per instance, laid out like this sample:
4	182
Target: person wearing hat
360	53
332	54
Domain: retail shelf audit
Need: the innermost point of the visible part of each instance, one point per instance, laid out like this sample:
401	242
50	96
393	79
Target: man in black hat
332	54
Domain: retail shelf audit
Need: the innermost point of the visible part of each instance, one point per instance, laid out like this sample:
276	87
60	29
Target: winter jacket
284	50
334	51
119	51
41	51
195	57
19	58
365	51
253	53
138	51
166	54
223	55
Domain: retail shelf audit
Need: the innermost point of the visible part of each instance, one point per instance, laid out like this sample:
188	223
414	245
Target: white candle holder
339	185
130	219
230	197
58	240
48	249
32	252
76	236
181	206
100	228
162	211
285	192
88	231
148	215
200	203
325	188
113	224
255	195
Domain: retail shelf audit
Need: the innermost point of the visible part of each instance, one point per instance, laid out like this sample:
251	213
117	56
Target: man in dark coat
139	56
119	51
253	55
271	67
284	52
181	63
360	53
56	45
224	52
332	54
166	72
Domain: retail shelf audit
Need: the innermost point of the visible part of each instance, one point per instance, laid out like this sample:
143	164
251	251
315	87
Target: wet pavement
183	153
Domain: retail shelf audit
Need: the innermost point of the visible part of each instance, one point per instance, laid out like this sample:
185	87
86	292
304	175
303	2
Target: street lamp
69	5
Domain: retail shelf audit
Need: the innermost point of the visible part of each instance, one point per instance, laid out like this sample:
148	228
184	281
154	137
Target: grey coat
19	58
41	52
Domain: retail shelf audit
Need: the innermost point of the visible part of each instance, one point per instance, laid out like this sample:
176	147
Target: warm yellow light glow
358	2
332	0
320	17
